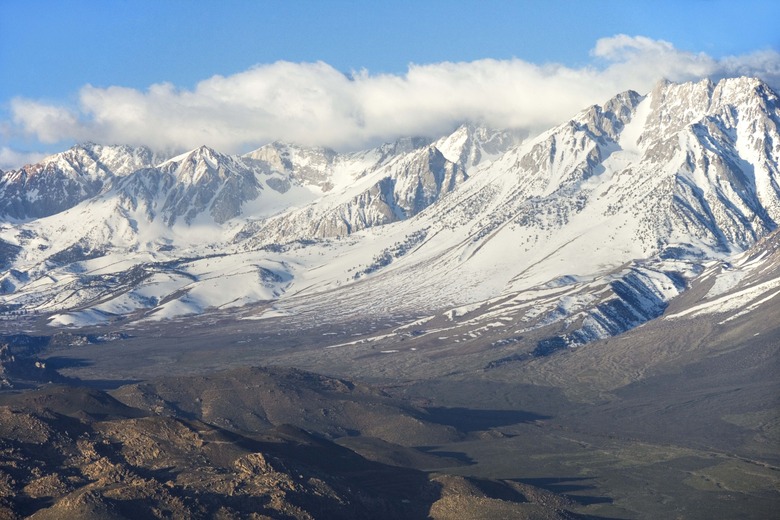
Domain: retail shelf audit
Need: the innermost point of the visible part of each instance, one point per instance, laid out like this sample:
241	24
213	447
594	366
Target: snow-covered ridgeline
663	182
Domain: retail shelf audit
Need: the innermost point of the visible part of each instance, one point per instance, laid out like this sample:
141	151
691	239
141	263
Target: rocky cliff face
398	190
199	182
63	180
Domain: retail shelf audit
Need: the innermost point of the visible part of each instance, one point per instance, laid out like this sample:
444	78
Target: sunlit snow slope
593	226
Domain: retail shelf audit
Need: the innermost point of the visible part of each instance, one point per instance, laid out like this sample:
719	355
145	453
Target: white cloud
10	158
47	122
623	47
314	104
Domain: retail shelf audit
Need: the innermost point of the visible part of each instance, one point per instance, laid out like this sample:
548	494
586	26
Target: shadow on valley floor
56	363
469	420
578	516
565	486
394	492
456	455
60	362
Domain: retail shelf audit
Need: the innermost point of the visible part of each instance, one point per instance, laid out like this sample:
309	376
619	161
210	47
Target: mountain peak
203	165
198	153
470	144
64	179
203	149
702	93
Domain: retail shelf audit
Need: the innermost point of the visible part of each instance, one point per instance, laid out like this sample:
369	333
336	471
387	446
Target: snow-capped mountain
471	145
366	189
731	289
397	190
582	232
202	181
65	179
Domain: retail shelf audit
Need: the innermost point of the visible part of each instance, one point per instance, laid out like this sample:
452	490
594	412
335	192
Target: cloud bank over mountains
314	104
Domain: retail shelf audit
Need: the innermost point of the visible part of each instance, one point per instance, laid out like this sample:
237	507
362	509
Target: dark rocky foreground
222	447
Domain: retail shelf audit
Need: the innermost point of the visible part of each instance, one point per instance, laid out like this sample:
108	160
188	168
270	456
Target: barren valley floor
624	428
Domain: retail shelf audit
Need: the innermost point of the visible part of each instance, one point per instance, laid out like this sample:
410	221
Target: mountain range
586	230
577	324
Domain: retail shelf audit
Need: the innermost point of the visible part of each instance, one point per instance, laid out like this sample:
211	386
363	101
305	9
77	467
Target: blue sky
65	66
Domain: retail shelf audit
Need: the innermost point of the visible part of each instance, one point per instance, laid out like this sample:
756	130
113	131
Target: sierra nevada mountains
582	232
66	179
